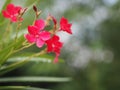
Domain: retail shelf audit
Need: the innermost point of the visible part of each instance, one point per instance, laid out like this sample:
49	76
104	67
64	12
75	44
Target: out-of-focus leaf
41	58
35	79
35	59
19	61
20	88
7	51
5	69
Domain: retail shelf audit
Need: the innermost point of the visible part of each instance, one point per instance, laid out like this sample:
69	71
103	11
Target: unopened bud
34	8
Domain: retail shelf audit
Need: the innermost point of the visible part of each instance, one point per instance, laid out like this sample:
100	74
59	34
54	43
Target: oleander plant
41	34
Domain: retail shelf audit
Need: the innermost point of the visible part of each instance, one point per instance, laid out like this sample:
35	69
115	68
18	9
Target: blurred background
91	53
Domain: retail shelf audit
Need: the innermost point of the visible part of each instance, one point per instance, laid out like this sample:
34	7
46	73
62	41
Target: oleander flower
65	25
54	45
37	34
12	12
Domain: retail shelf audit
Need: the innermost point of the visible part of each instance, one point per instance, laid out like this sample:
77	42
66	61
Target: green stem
17	30
22	48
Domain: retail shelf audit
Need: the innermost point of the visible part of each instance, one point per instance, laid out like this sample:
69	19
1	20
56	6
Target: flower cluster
37	33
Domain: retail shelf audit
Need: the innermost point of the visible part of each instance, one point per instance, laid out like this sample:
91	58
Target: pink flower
65	26
54	45
37	34
12	12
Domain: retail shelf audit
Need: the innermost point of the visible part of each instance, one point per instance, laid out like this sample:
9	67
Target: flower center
37	36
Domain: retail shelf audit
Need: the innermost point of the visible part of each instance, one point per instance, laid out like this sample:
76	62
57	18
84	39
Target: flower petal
49	45
56	58
40	24
69	28
33	30
65	26
45	35
10	8
57	47
55	38
39	42
63	21
5	14
30	38
54	45
13	19
17	9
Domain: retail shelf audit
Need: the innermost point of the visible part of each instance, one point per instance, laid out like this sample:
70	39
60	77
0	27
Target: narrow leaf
20	88
7	51
13	66
35	79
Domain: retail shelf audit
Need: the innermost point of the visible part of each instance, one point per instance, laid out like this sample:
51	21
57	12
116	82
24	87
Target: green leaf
13	66
6	52
35	59
41	58
35	79
19	61
20	88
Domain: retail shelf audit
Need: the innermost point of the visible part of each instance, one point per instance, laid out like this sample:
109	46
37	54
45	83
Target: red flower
37	34
65	26
54	45
12	12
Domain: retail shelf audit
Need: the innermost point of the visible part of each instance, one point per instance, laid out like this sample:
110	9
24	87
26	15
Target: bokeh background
91	53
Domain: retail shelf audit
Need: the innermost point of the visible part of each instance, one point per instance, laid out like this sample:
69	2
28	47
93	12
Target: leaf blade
20	88
35	79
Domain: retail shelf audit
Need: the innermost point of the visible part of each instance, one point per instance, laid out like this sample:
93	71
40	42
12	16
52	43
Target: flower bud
34	8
